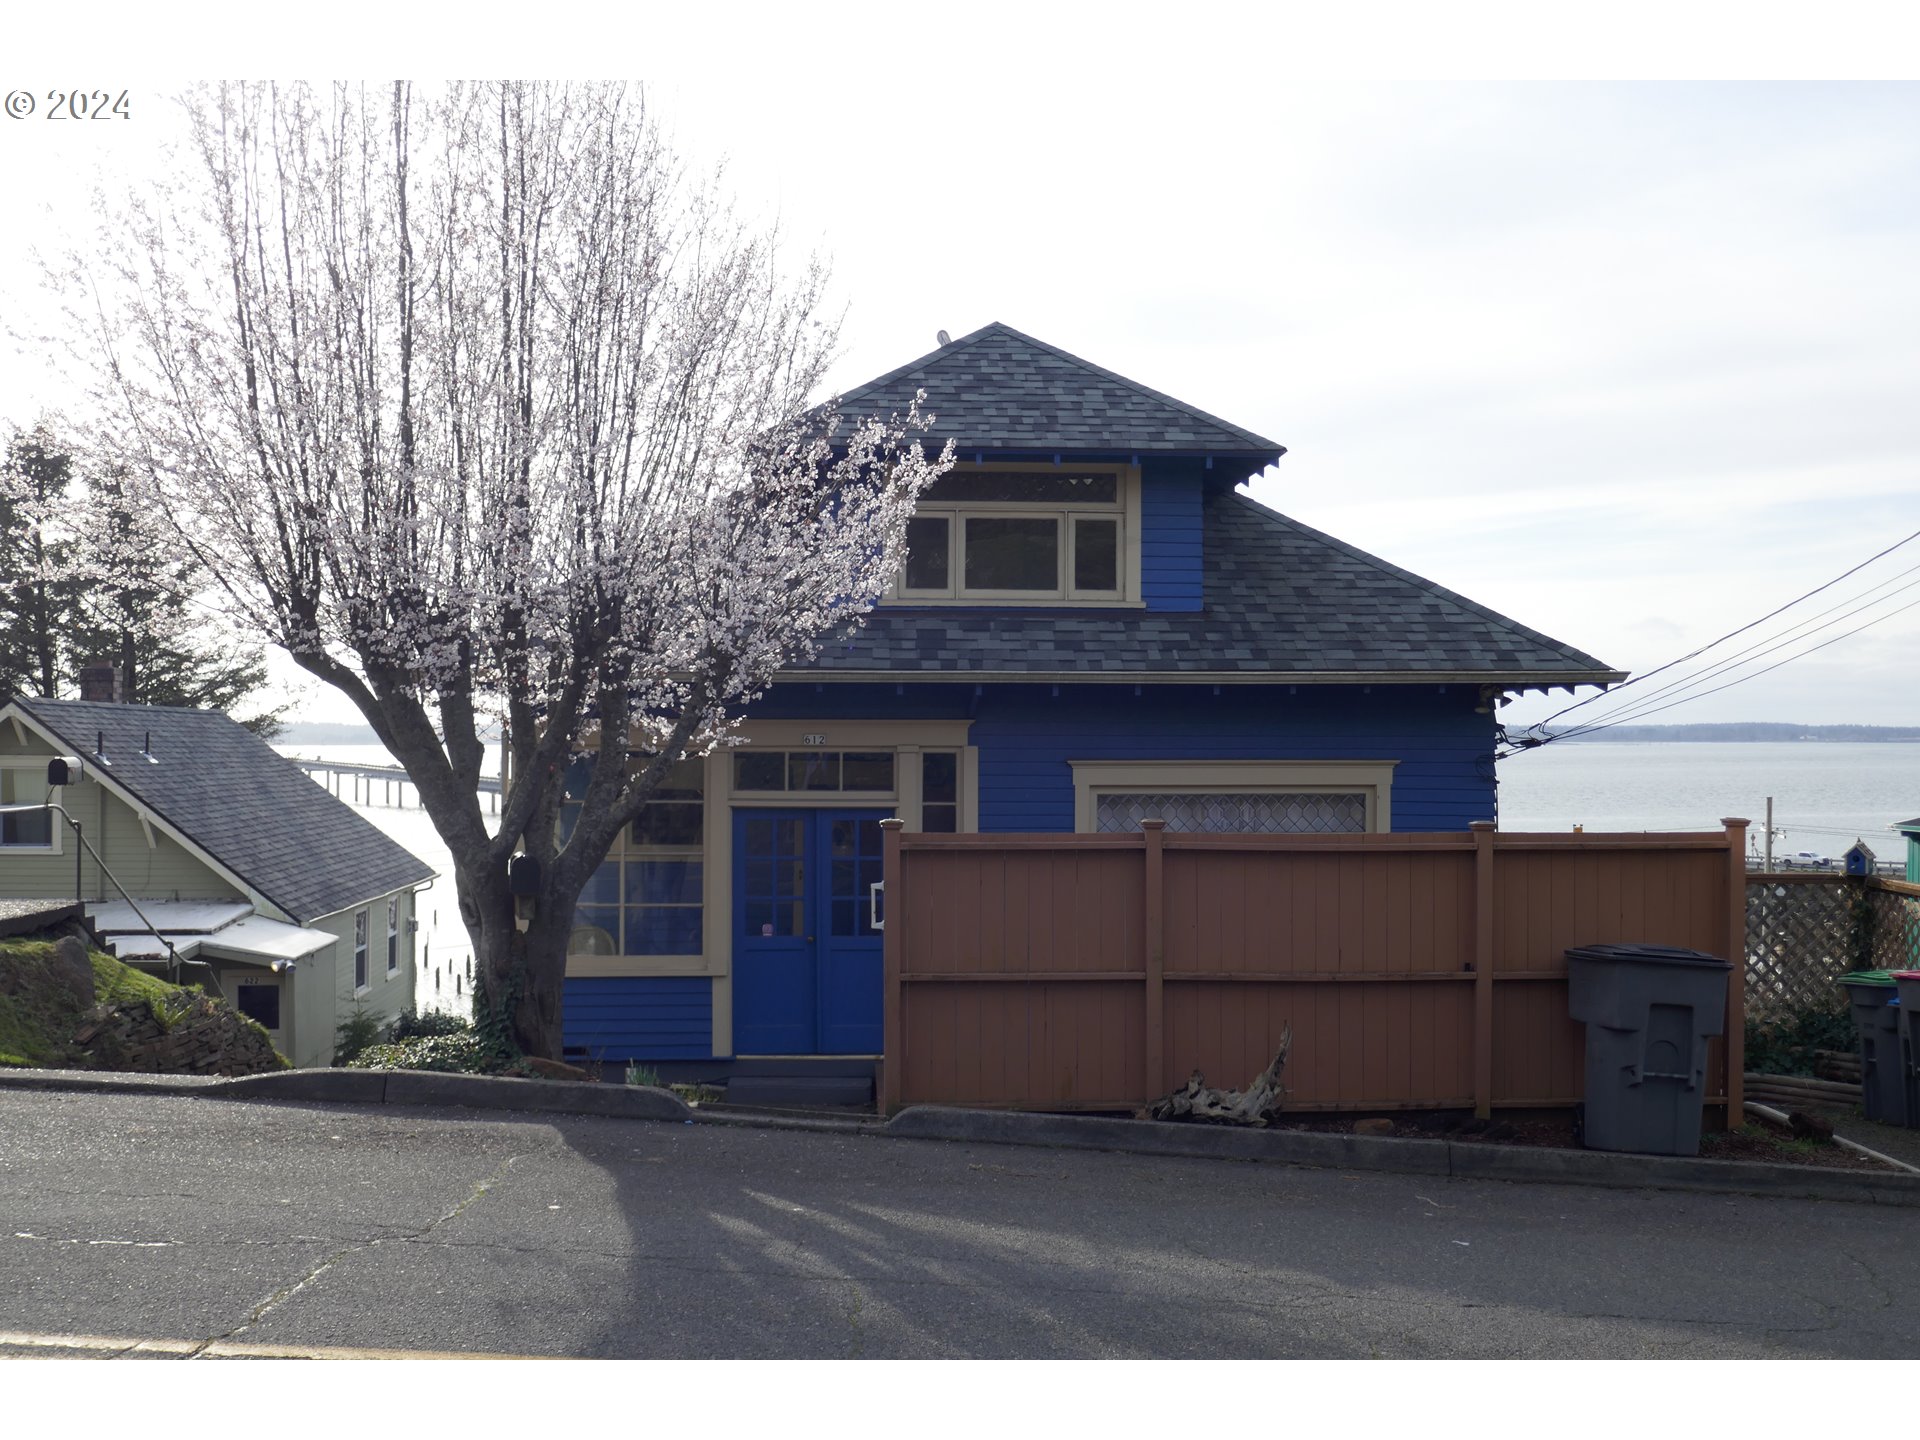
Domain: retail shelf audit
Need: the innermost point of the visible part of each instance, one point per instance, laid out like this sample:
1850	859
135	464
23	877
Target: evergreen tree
86	575
36	583
139	605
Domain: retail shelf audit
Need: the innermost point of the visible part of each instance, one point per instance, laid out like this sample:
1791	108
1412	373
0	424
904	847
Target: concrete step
801	1090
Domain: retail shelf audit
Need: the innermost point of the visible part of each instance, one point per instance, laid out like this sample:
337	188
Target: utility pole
1769	861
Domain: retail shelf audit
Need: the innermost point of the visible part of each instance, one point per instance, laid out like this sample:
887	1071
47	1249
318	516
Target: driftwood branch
1255	1105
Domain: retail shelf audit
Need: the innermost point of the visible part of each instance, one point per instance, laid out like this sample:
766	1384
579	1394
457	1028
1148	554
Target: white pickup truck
1808	860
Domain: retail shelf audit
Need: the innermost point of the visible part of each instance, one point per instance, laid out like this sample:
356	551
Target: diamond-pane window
1237	813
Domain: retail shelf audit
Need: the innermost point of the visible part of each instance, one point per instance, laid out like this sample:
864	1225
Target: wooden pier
356	784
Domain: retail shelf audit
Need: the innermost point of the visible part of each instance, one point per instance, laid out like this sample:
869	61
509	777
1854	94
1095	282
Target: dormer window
1013	533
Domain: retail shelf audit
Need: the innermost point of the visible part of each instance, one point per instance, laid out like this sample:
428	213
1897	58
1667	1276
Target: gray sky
1630	362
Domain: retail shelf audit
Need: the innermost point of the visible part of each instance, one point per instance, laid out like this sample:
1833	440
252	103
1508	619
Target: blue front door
806	958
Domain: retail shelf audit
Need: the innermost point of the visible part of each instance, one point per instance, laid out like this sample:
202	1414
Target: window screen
1241	813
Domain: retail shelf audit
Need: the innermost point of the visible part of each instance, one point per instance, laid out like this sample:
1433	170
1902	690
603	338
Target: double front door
806	955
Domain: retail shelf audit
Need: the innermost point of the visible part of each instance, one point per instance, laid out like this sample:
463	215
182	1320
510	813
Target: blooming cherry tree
483	410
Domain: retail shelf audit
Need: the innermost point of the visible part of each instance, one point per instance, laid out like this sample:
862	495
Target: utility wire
1637	679
1640	704
1608	724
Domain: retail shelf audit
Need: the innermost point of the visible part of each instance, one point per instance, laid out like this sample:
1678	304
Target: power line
1695	654
1608	724
1644	704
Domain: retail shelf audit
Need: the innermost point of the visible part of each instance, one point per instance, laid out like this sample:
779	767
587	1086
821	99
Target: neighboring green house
1911	830
272	892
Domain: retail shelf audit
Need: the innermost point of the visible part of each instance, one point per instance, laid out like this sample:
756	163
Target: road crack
281	1296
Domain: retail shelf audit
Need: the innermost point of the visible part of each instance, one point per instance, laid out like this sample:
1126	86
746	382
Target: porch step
801	1090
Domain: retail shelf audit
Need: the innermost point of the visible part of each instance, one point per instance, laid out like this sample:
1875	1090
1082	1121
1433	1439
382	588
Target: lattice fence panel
1896	930
1798	944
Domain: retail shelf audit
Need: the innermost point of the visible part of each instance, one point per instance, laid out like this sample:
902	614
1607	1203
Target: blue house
1092	626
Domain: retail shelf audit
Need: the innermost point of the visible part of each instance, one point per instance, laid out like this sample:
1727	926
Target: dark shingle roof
1281	599
998	389
229	792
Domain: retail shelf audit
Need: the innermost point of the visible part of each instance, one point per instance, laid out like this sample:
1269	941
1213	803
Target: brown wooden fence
1093	972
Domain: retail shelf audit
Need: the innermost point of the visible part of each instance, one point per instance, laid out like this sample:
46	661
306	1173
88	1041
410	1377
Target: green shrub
355	1034
412	1026
451	1054
1785	1047
642	1075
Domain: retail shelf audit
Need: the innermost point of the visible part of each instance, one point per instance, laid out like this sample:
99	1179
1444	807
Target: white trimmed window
393	936
360	927
1036	533
648	898
23	781
1234	797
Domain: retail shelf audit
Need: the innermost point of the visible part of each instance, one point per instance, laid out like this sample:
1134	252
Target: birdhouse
1859	859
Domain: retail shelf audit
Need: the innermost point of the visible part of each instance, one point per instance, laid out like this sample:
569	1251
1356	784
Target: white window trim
393	935
1125	509
1371	778
37	764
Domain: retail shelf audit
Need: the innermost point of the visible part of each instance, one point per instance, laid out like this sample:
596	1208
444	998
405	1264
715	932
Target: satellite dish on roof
943	337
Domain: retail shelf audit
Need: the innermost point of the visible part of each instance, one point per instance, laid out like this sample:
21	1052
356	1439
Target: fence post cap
893	822
1153	824
1483	825
1735	820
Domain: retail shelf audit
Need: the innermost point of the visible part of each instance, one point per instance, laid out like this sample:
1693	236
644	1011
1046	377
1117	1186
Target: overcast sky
1632	363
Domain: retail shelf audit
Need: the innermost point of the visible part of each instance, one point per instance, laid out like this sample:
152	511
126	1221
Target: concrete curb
479	1092
106	1080
1461	1160
378	1087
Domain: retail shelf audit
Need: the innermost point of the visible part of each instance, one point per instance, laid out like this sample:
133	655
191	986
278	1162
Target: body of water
1824	795
442	949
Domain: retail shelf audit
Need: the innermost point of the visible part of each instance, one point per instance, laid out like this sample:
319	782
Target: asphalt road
213	1227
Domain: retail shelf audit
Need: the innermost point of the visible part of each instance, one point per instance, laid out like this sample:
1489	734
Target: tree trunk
519	975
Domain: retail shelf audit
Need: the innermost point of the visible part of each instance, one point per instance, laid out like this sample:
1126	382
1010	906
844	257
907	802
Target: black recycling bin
1649	1012
1873	997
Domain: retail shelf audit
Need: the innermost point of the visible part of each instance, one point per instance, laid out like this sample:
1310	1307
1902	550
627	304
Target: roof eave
1503	679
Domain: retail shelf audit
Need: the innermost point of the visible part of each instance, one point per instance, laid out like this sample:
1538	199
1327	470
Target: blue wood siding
640	1017
1027	735
1170	558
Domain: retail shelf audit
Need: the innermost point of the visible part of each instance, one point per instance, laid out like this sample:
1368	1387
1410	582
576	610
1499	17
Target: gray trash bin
1907	983
1873	998
1649	1012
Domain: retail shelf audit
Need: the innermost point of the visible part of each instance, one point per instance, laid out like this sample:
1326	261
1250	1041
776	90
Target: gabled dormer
1075	487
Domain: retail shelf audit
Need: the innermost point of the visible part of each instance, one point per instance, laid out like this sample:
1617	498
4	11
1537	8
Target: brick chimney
100	682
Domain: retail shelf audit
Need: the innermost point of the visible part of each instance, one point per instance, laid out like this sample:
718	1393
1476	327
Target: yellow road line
229	1349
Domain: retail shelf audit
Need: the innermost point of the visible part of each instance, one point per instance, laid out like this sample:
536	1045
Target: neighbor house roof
997	389
1282	600
231	795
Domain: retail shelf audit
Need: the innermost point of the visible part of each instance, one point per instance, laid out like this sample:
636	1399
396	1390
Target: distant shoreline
1754	732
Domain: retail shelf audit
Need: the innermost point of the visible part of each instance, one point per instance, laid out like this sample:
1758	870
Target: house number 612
813	739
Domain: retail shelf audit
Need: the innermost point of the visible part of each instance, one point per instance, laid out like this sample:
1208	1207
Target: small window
360	950
927	552
1096	555
28	829
940	791
393	936
259	1002
1012	554
865	772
